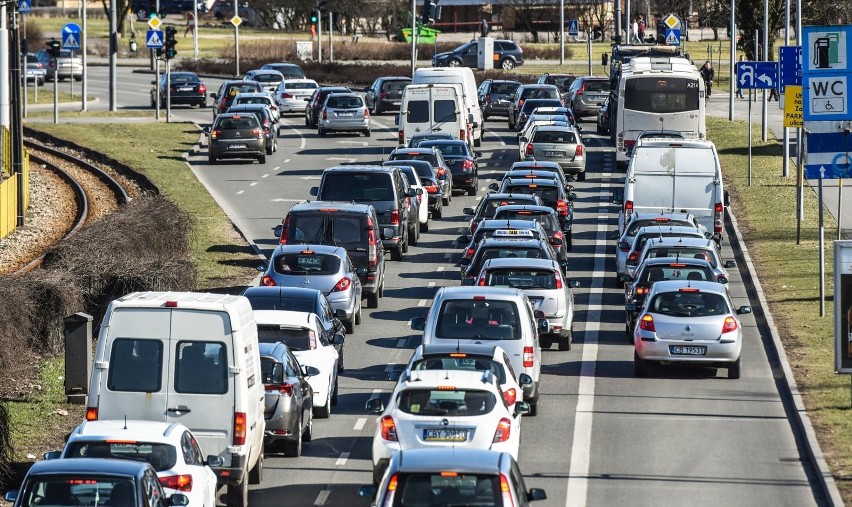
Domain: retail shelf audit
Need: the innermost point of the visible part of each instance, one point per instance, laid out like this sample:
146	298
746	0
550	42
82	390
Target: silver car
688	322
682	248
344	112
626	262
559	144
70	65
269	79
264	98
288	399
325	268
546	288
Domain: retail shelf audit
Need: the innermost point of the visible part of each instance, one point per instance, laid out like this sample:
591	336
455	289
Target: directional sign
672	37
154	22
757	75
25	7
573	27
71	37
825	70
154	39
790	63
828	150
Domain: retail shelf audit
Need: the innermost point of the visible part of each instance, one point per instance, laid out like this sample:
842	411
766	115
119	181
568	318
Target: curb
799	417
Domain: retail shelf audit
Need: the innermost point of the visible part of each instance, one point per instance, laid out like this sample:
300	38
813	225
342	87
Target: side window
201	367
291	366
158	498
326	310
136	365
197	450
509	366
518	483
189	454
322	338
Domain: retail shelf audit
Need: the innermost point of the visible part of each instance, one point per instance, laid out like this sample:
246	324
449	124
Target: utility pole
413	37
617	18
236	41
733	74
113	56
763	126
785	166
319	36
17	120
85	106
330	43
562	32
5	105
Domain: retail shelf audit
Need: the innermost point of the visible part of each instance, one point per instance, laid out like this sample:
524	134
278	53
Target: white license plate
554	153
687	350
185	89
346	115
237	146
444	435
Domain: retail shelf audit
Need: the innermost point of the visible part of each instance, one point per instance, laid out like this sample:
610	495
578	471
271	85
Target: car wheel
628	333
325	411
425	226
507	64
255	475
367	133
565	342
211	159
382	290
307	122
569	241
349	325
377	110
581	176
321	132
334	393
78	78
511	125
472	190
396	254
269	149
261	159
308	434
734	369
455	62
412	235
237	495
484	117
358	317
618	283
545	342
640	366
293	448
533	408
446	200
373	300
478	142
439	211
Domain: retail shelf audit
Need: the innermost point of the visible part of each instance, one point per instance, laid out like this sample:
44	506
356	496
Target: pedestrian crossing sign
154	39
71	41
673	37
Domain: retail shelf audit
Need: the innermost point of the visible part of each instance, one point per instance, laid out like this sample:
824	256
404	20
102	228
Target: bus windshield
662	95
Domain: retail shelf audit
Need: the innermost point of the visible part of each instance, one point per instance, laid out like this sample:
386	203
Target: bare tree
595	15
533	14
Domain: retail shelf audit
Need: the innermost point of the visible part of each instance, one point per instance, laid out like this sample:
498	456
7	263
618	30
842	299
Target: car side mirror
337	339
418	191
478	154
535	494
10	496
468	211
412	192
464	261
538	314
468	281
522	407
51	455
572	196
543	326
153	82
624	278
524	380
262	267
463	239
367	491
708	235
310	371
574	284
721	279
277	230
206	130
214	95
314	191
178	499
340	313
743	310
215	460
361	271
614	234
730	264
494	187
395	375
387	233
375	405
418	323
523	139
630	307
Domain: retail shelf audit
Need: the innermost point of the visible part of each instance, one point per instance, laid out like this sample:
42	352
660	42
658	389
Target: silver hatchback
559	144
288	399
344	112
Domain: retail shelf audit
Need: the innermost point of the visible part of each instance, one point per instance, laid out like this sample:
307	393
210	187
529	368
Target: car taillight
582	89
646	323
562	207
529	149
579	151
432	189
391	492
372	254
729	325
202	89
366	113
394	217
521	104
342	285
504	430
557	236
558	278
469	252
419	197
223	103
285	389
481	281
629	143
286	226
286	95
258	133
467	165
631	259
215	134
388	429
178	482
92	413
401	137
642	290
510	396
528	357
628	205
239	428
717	218
624	246
505	492
383	95
267	281
324	114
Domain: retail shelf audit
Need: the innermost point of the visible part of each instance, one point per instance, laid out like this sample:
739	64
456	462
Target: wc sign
826	66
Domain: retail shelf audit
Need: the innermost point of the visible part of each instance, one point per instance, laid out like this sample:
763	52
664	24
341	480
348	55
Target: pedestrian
641	29
634	29
740	90
190	24
707	74
773	95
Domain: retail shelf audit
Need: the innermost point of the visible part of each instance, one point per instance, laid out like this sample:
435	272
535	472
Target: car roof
502	223
704	286
101	466
254	95
285	318
411	150
525	207
681	240
395	78
299	80
131	429
284	64
504	81
694	144
642	215
496	196
332	89
532	164
410	163
344	94
282	292
450	459
441	142
538	85
557	128
425	379
434	349
509	242
232	82
544	182
329	206
264	71
467	292
358	168
521	263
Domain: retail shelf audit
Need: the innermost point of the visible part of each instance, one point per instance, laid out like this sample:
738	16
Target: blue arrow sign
154	39
25	7
790	63
573	27
672	37
828	155
757	75
71	37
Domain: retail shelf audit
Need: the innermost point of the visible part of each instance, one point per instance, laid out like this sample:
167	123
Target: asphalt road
602	437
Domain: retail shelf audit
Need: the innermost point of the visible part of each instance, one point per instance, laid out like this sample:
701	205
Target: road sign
828	148
790	63
757	75
71	37
826	65
25	7
672	22
672	37
573	27
236	20
154	39
826	97
793	116
154	22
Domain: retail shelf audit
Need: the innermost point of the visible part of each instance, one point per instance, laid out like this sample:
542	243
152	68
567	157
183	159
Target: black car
507	55
489	204
315	103
499	248
561	81
223	98
461	162
144	8
559	237
495	96
299	299
529	91
186	88
288	70
550	190
385	94
602	123
314	223
418	139
504	229
435	158
430	181
531	105
267	123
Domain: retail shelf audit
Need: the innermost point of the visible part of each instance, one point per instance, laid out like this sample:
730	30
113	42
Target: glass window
201	367
661	95
136	365
596	86
478	319
436	489
418	111
658	273
358	187
189	456
531	105
291	368
689	303
306	263
394	86
548	194
295	338
197	450
160	456
344	102
504	88
444	111
683	252
458	403
300	86
554	136
467	363
521	278
348	230
277	303
545	92
266	78
78	489
650	222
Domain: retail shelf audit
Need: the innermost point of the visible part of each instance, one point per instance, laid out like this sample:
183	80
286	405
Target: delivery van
463	77
433	108
191	358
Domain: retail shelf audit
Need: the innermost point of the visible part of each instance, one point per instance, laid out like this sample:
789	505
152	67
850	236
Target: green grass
129	113
45	94
790	277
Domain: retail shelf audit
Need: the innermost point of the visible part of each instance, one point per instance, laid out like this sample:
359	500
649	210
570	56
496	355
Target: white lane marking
311	178
422	302
479	198
578	481
377	391
440	268
240	192
361	143
359	424
341	461
322	497
267	175
281	199
430	284
253	183
341	159
298	133
286	162
401	343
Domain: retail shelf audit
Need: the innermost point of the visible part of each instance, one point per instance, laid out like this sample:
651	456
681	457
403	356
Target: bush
6	450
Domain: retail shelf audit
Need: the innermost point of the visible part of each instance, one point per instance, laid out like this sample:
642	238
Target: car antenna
458	345
125	421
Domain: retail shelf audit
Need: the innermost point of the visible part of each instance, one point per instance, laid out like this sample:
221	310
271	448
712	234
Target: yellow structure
9	186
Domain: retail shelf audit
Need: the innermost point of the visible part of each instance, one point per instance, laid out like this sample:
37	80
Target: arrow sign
766	79
154	39
757	75
745	72
71	37
24	7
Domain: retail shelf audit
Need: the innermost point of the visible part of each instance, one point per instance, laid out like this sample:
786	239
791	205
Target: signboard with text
793	116
825	71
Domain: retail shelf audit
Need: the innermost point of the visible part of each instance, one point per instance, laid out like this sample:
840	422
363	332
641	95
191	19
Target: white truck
429	108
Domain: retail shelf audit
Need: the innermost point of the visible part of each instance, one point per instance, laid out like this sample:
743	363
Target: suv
288	70
461	161
316	101
380	186
522	248
434	157
529	91
495	95
385	94
144	8
490	202
314	223
432	185
561	81
236	135
587	94
507	55
223	98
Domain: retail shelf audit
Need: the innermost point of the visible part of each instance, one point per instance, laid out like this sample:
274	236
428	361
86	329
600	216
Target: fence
9	186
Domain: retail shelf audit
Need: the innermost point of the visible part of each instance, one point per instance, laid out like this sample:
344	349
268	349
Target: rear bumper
345	125
252	149
234	474
464	180
290	106
370	283
389	105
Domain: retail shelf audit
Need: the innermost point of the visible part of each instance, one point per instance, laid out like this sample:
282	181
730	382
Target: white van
432	108
190	358
463	77
675	176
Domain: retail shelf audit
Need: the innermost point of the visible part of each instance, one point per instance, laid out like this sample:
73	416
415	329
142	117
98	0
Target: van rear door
446	111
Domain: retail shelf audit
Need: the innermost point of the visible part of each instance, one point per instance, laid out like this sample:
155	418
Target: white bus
656	93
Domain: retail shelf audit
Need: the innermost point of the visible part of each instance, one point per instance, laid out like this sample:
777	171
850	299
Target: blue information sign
154	39
25	7
71	37
757	75
825	72
790	62
672	37
573	27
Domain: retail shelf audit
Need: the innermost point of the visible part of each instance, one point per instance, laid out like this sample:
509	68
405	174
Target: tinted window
426	156
504	88
300	86
540	93
449	403
491	205
288	303
410	174
638	224
596	86
266	78
295	338
358	187
545	219
237	122
452	149
252	100
79	489
271	371
289	71
689	303
444	111
639	241
563	82
136	365
478	319
467	363
308	228
306	263
418	111
530	105
394	86
201	368
653	274
345	102
249	87
661	95
348	230
554	136
521	278
423	489
160	456
548	194
697	253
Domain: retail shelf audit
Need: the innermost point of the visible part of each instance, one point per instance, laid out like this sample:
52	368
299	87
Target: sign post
790	73
755	76
154	40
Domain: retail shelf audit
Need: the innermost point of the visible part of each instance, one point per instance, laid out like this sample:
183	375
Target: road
602	437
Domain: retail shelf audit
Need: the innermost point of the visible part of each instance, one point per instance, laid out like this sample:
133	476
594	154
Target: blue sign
825	72
757	75
573	27
672	37
154	39
828	155
790	62
71	37
25	7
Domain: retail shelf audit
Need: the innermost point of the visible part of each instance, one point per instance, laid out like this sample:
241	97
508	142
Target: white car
422	197
170	448
293	94
445	408
264	98
300	332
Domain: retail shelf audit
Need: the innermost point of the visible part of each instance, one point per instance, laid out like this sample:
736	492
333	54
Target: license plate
237	146
396	102
536	302
685	350
444	435
346	114
554	153
466	362
185	89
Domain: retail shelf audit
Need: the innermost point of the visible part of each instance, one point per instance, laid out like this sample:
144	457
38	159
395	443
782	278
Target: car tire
533	408
511	125
323	412
308	434
377	110
507	64
211	159
455	62
545	342
425	226
382	289
321	132
439	212
358	317
477	142
618	283
581	176
261	159
484	118
446	200
569	241
142	14
307	122
472	190
255	475
640	366
334	393
412	236
396	254
373	300
270	149
628	333
367	133
293	448
349	325
237	494
734	369
377	475
565	342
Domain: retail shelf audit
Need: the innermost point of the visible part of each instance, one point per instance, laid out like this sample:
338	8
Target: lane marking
377	391
311	178
430	284
253	183
267	175
286	161
359	424
401	343
322	497
341	159
422	302
440	269
341	461
240	192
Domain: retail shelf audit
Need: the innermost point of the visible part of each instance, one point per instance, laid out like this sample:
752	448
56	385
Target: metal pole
732	78
589	48
168	90
71	81
617	17
5	104
157	85
785	166
764	111
113	56
195	30
84	106
17	122
821	247
237	43
330	42
628	22
319	36
800	139
413	38
561	32
23	57
839	208
749	136
55	98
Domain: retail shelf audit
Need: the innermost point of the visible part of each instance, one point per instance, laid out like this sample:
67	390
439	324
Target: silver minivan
344	112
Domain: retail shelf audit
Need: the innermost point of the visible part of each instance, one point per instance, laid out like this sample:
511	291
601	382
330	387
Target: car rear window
554	136
531	105
650	222
675	271
201	367
358	187
478	319
563	82
426	156
689	303
503	252
418	111
504	88
295	338
248	87
79	489
446	402
491	205
136	365
286	303
548	194
300	86
238	122
521	278
289	71
348	229
394	86
640	240
596	86
451	149
161	456
684	252
345	102
266	78
444	111
540	93
460	361
306	263
427	489
545	219
252	100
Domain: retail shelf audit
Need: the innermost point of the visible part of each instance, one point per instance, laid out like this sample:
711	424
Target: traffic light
170	42
313	18
427	15
53	48
322	5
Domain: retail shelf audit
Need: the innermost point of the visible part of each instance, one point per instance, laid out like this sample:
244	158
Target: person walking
740	90
707	74
634	29
641	29
190	24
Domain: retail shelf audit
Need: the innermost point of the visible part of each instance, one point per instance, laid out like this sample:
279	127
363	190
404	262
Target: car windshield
296	338
521	278
649	222
478	319
683	252
442	489
503	252
554	136
306	263
423	155
460	361
446	402
267	78
689	302
344	102
357	187
659	273
79	489
504	88
283	303
161	456
301	86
